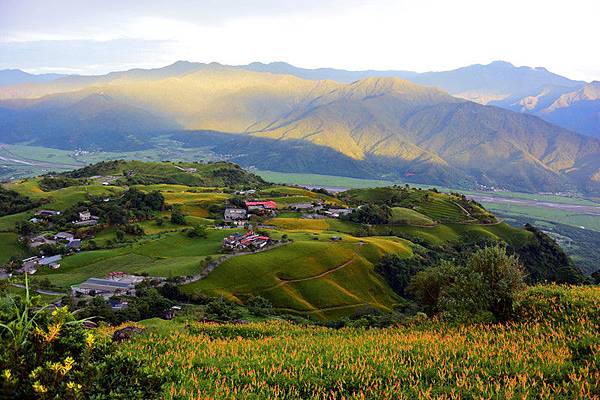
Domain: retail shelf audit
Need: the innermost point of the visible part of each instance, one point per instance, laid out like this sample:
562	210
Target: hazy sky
99	36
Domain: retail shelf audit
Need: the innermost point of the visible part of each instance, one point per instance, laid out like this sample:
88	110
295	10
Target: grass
307	276
169	254
10	247
532	358
406	216
320	180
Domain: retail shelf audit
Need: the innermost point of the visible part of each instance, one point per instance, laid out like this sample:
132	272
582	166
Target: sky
94	37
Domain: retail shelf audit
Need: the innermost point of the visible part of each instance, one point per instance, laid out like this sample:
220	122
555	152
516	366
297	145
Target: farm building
261	206
103	287
235	214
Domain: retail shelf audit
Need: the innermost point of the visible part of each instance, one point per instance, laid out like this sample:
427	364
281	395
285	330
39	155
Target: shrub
50	355
259	306
177	217
222	310
485	285
198	231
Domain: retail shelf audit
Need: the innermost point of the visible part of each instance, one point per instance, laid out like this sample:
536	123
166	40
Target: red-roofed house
261	205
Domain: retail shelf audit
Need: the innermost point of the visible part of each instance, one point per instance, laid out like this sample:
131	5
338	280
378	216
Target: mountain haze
381	127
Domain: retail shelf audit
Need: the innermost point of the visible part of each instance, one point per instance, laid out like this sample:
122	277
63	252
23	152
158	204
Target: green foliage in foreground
531	358
48	354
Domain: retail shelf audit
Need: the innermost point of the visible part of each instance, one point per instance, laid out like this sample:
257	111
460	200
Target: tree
25	228
198	231
177	217
371	214
398	271
487	283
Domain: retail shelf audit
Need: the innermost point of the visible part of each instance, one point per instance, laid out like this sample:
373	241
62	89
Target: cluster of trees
481	286
12	202
133	205
371	214
49	183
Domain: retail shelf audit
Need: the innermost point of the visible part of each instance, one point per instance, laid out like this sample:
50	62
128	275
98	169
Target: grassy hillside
322	268
214	174
553	354
310	276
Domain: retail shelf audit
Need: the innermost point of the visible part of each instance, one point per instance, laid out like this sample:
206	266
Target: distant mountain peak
501	63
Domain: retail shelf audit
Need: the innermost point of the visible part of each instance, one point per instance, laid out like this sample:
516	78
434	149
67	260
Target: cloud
378	34
82	56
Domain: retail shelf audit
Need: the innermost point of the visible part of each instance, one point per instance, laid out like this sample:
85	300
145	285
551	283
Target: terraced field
407	216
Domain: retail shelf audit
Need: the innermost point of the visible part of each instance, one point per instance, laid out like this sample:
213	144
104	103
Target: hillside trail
321	275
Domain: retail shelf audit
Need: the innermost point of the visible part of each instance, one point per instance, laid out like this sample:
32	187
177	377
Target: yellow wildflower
72	386
89	340
7	374
39	388
34	374
68	364
56	367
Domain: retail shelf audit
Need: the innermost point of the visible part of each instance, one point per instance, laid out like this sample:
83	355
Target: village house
337	212
47	213
40	240
261	207
236	215
53	262
29	266
64	236
306	206
86	219
5	274
250	239
74	244
245	192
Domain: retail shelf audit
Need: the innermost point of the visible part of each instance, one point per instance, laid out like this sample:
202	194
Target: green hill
323	268
215	174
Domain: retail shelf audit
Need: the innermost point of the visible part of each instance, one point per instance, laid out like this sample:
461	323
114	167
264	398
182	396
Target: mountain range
274	116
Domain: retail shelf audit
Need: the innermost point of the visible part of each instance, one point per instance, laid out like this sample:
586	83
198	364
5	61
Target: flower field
531	359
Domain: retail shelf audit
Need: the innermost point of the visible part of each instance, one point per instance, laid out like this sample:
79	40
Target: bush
198	231
486	284
259	306
177	217
50	355
222	310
